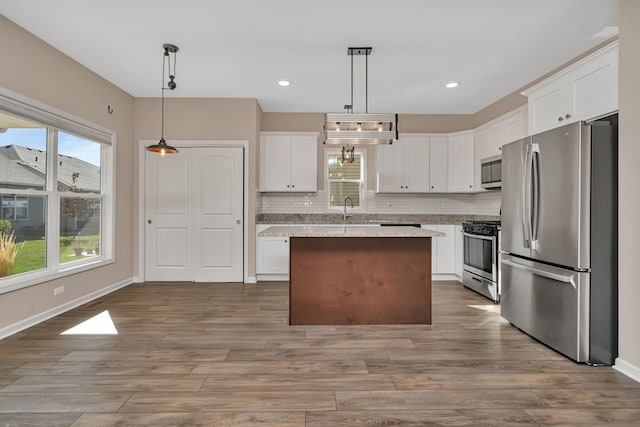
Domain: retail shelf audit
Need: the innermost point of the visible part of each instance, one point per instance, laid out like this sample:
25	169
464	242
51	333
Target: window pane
340	170
80	235
78	164
339	190
23	157
25	247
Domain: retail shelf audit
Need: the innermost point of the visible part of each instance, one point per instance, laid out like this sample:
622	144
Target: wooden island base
360	280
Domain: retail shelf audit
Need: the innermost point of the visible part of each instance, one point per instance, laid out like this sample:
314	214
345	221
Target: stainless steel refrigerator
559	239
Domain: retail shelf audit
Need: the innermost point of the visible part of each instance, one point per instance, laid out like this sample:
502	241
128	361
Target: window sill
25	280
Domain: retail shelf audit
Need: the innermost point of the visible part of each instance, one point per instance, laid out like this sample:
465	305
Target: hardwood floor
223	354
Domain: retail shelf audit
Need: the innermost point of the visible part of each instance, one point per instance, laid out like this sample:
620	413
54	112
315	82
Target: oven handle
478	236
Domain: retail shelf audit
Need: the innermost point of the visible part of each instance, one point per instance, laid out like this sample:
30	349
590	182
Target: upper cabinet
288	162
461	162
491	136
584	90
438	159
402	167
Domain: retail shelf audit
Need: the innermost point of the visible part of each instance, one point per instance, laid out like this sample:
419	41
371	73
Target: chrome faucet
345	216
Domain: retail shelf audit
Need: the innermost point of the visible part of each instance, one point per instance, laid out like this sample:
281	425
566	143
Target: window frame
56	120
363	181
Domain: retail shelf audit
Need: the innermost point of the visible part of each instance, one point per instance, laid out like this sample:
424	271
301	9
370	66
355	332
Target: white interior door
168	222
194	208
217	187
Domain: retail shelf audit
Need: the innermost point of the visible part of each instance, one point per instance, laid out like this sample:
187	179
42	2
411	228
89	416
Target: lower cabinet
443	261
272	256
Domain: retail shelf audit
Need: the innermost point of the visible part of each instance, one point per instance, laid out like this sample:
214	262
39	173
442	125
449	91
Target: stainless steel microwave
491	172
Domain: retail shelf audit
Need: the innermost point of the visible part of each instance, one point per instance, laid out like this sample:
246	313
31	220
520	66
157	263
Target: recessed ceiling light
284	82
451	85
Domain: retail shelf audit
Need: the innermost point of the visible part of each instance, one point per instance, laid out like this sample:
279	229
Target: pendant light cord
351	52
166	54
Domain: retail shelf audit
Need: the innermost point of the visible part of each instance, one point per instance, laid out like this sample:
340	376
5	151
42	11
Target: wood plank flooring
223	355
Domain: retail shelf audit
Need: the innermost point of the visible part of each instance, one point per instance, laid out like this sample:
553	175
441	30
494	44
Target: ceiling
241	48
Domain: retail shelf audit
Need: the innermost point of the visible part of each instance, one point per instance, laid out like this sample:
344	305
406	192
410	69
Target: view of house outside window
34	179
345	180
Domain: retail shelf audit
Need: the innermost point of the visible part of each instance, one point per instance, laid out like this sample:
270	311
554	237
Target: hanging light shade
360	128
162	147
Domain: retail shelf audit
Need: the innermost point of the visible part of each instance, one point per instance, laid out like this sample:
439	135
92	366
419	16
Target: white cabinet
442	252
584	90
272	254
438	164
458	258
461	162
288	162
402	167
490	137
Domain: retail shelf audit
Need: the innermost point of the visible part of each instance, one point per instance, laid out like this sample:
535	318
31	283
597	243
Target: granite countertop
334	218
346	231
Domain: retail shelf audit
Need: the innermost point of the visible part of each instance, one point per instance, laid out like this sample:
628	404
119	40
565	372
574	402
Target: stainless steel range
481	268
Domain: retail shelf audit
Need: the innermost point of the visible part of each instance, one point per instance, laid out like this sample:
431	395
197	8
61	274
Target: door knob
238	222
149	221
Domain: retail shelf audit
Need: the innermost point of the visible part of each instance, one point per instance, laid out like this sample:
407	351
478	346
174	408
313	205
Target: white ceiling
239	49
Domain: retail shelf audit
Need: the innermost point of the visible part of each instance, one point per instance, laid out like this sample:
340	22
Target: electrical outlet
59	290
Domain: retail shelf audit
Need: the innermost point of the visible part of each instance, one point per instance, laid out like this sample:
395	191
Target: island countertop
347	231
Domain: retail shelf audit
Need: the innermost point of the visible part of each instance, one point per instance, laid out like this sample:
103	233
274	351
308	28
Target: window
15	208
55	192
345	180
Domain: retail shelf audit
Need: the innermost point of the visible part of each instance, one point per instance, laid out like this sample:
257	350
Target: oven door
480	256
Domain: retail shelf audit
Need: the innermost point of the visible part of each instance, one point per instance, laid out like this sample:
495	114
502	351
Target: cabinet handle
471	186
293	186
433	186
568	115
560	118
287	185
499	148
286	241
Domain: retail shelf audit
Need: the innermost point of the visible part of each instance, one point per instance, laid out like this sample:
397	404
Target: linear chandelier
360	128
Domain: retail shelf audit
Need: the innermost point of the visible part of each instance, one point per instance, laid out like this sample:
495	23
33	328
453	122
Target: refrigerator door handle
525	199
535	194
568	278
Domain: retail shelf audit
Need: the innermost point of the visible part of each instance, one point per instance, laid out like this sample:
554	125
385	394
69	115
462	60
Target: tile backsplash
487	203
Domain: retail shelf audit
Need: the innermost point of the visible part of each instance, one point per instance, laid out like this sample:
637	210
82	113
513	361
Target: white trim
44	114
628	369
48	314
445	277
491	122
251	279
272	277
142	189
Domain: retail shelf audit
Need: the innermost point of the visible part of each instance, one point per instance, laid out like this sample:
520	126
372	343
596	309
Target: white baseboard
444	277
45	315
627	369
251	280
273	277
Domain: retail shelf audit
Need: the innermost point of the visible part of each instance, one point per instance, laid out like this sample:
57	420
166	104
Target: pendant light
348	154
360	128
162	147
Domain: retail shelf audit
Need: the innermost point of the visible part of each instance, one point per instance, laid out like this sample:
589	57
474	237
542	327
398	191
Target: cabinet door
496	137
304	163
390	168
594	87
445	258
434	248
515	127
416	165
274	255
438	164
276	173
461	162
547	105
480	148
458	244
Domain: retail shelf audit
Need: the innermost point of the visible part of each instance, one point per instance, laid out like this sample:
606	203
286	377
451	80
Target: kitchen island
358	275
